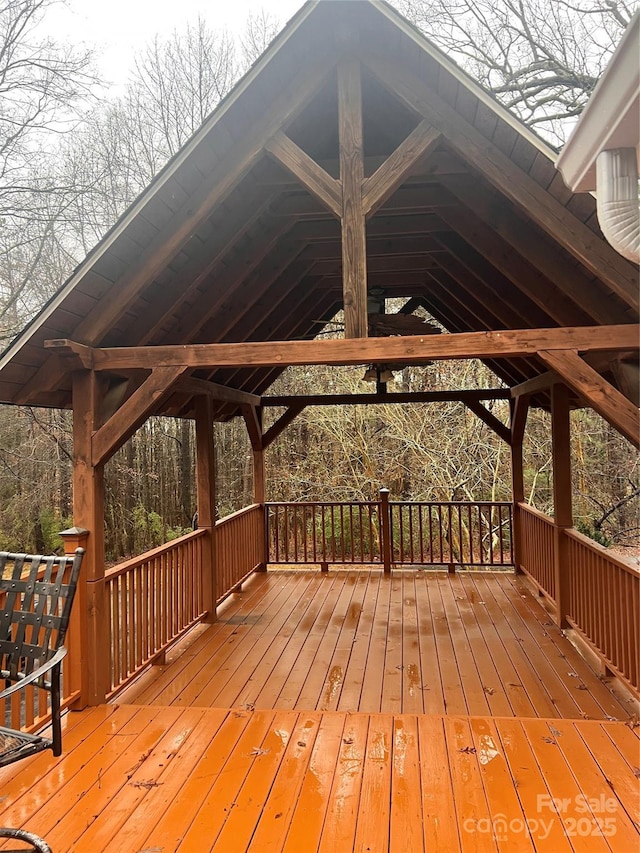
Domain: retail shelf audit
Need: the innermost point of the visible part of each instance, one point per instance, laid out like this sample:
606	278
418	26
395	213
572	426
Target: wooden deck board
419	642
149	778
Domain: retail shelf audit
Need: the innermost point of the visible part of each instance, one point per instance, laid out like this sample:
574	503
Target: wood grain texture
354	252
504	344
358	640
310	174
596	255
600	394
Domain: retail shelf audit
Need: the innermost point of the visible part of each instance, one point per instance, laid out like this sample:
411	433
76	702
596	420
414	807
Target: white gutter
617	200
601	154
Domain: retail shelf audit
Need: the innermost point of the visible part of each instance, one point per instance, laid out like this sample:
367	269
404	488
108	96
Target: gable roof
226	245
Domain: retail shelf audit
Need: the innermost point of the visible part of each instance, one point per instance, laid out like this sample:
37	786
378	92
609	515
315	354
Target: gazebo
354	163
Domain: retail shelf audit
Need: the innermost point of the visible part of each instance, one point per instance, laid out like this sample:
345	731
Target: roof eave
611	118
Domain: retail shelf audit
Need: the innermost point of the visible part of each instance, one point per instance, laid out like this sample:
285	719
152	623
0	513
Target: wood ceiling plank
226	236
599	394
221	181
492	344
487	158
493	283
354	252
242	275
311	175
497	313
395	169
546	295
525	240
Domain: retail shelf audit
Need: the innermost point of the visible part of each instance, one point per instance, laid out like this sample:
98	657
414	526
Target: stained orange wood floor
349	712
418	642
140	779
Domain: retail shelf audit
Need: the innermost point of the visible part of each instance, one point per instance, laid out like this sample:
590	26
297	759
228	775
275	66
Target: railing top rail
535	512
238	514
450	503
320	503
134	562
392	503
599	549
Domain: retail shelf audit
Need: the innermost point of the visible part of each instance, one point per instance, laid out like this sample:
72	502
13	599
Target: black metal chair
36	594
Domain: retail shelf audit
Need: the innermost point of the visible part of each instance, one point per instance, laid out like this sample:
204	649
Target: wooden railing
240	546
451	533
537	547
604	604
330	532
428	533
152	600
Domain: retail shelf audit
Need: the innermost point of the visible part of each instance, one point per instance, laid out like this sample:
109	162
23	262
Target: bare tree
541	58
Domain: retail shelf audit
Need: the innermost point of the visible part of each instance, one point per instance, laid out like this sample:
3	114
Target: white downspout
617	200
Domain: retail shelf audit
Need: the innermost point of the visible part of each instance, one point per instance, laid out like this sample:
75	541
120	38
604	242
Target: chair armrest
36	674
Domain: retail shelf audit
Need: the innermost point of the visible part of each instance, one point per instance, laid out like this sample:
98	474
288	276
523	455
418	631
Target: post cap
74	531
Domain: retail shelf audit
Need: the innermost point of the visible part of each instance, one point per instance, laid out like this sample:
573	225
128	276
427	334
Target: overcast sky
119	29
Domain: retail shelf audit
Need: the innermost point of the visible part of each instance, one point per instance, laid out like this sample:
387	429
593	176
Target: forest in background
72	159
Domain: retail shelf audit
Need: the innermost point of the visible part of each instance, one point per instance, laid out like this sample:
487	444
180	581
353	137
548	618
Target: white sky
119	29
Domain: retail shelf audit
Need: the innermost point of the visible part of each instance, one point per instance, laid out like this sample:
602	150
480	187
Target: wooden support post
354	253
88	511
519	411
74	537
385	530
562	503
206	494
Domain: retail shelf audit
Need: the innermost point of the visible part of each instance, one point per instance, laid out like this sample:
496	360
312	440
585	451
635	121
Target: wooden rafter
596	255
524	239
527	278
600	394
213	190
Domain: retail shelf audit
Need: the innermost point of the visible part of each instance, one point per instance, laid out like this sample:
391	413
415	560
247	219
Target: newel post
562	502
385	530
74	537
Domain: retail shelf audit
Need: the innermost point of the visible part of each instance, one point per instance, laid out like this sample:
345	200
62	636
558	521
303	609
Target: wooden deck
140	779
349	711
417	642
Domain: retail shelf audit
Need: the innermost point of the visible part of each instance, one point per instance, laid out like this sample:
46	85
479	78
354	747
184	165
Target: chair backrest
36	594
